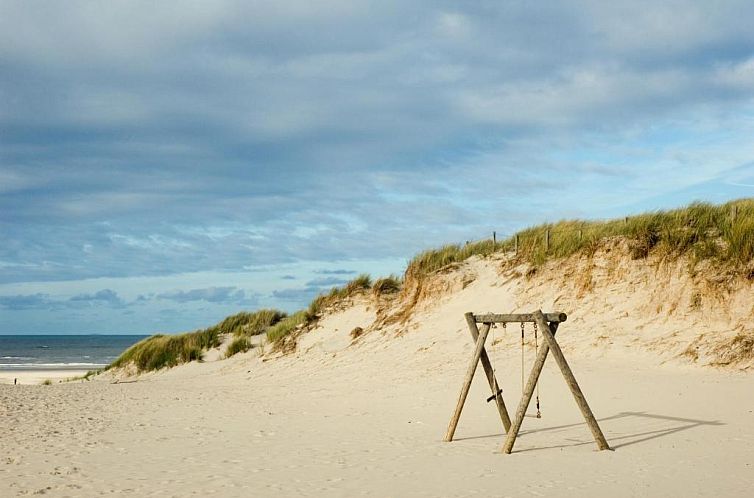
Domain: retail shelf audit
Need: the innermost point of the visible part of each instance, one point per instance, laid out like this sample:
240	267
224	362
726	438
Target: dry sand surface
367	418
35	377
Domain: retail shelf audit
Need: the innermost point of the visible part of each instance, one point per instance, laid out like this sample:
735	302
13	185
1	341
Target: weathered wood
599	438
490	373
547	240
516	243
518	317
467	381
494	239
523	405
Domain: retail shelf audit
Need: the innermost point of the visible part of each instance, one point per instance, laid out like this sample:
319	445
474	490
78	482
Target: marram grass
160	351
723	234
240	344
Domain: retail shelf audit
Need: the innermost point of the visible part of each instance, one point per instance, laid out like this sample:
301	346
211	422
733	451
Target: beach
370	422
339	415
38	375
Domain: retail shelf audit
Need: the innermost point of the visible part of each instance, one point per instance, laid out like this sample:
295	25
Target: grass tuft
287	325
250	323
240	344
387	285
311	314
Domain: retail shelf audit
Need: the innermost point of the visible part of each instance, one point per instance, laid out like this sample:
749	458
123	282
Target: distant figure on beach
15	381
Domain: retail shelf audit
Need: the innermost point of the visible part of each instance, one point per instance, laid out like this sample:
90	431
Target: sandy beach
37	376
370	422
340	417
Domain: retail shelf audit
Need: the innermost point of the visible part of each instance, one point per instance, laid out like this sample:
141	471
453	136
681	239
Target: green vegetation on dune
288	325
723	234
387	285
240	344
160	351
250	323
361	283
431	260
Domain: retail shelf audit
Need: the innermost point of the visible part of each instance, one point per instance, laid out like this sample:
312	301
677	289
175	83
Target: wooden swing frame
548	324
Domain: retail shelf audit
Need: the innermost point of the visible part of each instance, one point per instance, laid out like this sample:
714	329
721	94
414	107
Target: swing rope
499	390
536	352
522	357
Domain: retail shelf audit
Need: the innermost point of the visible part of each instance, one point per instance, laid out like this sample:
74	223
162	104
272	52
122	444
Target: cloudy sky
164	164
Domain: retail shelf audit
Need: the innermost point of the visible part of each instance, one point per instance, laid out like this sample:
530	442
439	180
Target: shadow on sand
615	437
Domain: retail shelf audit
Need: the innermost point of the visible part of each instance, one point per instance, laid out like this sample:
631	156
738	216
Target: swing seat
498	393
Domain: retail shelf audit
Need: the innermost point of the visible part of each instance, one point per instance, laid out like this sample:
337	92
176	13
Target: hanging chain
522	357
536	353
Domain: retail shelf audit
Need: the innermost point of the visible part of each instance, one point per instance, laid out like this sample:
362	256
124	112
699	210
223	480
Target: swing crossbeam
548	323
519	318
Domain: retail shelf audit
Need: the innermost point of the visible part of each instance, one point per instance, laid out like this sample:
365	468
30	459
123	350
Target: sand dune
366	417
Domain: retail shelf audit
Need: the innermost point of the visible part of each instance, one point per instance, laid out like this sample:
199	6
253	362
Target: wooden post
523	405
547	240
580	235
494	239
599	438
467	381
517	244
490	373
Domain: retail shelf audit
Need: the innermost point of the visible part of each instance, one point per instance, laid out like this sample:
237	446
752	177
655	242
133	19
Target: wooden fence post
516	244
494	239
547	240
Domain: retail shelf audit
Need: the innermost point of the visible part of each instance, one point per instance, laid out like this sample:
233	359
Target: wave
22	358
50	366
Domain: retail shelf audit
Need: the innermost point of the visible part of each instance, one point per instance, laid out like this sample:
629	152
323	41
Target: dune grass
240	344
387	285
86	376
251	323
722	233
431	260
160	351
288	325
282	329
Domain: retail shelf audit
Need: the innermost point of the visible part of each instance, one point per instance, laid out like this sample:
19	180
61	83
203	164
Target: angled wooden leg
467	381
599	438
523	405
490	373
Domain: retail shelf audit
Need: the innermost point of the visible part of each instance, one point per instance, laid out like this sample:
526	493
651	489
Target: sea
62	352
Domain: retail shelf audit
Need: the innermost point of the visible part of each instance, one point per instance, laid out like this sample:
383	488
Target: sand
367	418
33	376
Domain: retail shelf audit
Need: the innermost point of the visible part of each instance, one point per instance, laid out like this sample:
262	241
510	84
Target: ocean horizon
62	351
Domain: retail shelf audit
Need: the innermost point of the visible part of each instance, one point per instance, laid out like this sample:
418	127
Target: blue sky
165	164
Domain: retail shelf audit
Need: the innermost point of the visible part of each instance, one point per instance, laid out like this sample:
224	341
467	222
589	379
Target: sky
166	164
